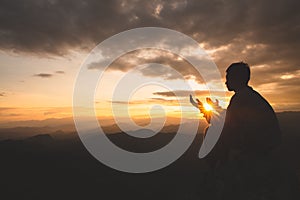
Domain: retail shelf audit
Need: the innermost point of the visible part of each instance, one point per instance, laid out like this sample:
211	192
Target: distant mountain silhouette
44	138
64	128
47	166
289	122
51	122
142	132
24	132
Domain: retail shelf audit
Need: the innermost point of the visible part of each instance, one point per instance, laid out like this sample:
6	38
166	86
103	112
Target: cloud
48	75
56	27
185	93
180	93
6	109
82	24
147	101
44	75
2	94
261	33
166	101
10	114
174	67
50	113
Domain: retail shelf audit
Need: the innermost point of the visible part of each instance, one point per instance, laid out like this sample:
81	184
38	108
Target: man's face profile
229	82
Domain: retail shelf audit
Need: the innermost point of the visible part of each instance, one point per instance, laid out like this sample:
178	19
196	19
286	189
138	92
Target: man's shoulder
248	96
250	99
248	93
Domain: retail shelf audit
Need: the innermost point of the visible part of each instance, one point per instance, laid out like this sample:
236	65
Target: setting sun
207	107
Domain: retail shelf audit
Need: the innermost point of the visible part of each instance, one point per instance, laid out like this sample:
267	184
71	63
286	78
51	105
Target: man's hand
207	113
215	105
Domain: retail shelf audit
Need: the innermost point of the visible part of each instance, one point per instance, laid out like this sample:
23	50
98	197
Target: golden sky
41	58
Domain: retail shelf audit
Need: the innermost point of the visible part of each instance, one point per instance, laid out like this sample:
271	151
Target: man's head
237	76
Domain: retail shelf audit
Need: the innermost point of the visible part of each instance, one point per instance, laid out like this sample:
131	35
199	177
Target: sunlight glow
207	107
287	76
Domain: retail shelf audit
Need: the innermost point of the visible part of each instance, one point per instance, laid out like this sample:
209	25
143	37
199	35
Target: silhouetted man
241	157
251	127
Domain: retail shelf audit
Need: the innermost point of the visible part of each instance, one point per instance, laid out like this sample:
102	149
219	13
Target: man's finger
209	101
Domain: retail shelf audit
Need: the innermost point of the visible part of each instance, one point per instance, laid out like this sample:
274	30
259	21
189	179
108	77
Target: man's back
251	124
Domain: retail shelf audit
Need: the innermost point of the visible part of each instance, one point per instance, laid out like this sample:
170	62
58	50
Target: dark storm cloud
43	75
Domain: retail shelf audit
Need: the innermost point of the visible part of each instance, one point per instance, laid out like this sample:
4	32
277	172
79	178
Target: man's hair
240	71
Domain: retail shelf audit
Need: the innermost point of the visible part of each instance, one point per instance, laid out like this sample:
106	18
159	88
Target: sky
44	43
